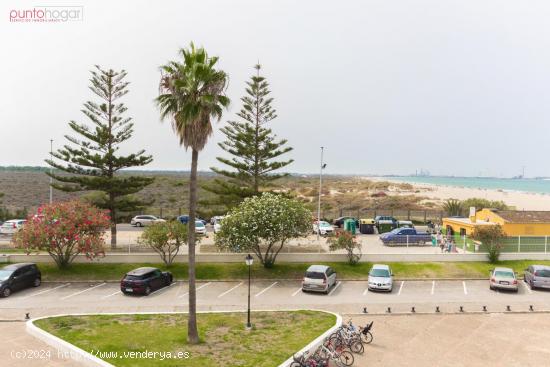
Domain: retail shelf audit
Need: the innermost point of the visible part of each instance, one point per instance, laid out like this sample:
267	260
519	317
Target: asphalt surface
347	297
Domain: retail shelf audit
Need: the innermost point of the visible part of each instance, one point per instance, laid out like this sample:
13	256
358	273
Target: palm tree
453	207
192	93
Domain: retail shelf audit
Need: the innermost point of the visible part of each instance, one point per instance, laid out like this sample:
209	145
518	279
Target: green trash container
350	226
385	226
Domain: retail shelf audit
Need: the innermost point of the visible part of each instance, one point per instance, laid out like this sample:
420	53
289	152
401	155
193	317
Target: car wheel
138	224
491	288
169	280
531	285
6	292
147	290
37	282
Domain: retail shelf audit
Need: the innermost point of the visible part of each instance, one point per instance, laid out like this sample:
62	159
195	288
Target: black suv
145	280
16	277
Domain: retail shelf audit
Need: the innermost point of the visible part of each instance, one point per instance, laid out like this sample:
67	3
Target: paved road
346	297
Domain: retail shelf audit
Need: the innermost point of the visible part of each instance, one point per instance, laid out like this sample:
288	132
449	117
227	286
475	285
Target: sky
388	87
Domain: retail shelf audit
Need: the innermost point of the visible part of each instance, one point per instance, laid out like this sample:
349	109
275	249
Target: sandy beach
519	200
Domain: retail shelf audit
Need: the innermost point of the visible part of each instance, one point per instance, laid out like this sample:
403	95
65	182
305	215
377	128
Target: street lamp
51	171
249	260
319	202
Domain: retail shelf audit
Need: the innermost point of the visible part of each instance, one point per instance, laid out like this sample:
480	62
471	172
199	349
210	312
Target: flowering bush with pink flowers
65	230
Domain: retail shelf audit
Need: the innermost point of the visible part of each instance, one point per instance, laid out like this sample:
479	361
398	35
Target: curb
267	280
90	360
64	347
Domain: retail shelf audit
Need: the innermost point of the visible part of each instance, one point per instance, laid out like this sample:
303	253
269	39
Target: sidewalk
20	349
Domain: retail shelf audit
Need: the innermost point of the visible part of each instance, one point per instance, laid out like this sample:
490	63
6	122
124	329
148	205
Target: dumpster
350	225
385	226
366	226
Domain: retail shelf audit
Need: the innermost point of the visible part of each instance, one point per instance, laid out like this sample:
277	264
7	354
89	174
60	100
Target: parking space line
82	291
333	289
196	289
526	287
46	291
365	291
465	289
433	287
295	293
401	287
265	290
228	291
163	288
112	294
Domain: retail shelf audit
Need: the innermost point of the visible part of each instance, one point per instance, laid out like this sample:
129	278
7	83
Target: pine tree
92	163
253	148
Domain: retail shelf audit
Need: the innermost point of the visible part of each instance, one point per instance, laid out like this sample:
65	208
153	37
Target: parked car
503	278
12	226
218	223
380	278
16	277
319	278
185	219
339	222
405	224
537	276
378	218
145	280
324	228
200	228
215	218
401	236
145	220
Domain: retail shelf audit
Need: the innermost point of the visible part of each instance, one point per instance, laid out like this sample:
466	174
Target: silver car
145	220
12	226
319	278
537	276
380	278
503	278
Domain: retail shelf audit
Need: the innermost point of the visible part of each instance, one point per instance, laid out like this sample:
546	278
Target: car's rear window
504	274
134	277
315	275
542	273
379	273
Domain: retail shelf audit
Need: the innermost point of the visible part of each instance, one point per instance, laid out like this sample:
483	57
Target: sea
537	185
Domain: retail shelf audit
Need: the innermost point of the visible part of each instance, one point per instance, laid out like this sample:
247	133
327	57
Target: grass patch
229	271
224	341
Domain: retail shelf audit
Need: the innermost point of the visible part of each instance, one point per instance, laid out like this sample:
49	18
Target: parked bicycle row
338	349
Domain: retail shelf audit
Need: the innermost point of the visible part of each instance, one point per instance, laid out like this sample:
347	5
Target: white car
380	278
324	228
12	226
215	218
145	220
200	228
217	224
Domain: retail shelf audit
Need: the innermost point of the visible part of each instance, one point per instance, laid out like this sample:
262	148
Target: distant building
513	222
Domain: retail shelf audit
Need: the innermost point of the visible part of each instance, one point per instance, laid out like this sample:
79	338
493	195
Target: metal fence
512	244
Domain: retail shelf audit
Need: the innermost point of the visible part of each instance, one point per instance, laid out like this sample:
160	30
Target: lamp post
51	171
319	201
249	260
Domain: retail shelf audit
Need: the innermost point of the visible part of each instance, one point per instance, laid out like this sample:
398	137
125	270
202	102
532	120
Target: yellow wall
511	229
486	215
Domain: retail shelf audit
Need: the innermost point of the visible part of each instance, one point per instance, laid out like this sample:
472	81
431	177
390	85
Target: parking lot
346	297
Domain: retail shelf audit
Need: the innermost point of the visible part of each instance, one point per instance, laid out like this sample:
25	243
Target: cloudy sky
388	87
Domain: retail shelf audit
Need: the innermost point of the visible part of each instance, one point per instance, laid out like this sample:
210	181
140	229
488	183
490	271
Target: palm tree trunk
192	332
